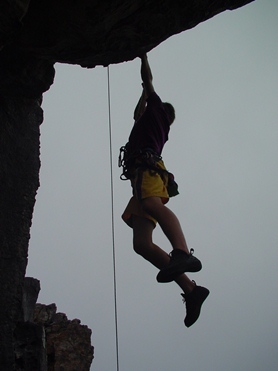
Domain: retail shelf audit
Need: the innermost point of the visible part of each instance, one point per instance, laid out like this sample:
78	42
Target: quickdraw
124	161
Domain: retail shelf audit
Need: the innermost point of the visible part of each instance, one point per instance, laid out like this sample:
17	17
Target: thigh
134	208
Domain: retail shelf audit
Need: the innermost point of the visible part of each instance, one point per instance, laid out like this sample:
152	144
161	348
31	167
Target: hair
170	110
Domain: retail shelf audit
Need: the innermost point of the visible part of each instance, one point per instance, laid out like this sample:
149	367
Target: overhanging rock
93	32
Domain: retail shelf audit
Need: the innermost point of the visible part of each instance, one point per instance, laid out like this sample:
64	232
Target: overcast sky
222	79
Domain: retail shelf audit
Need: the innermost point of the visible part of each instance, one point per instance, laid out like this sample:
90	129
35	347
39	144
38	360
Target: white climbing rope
112	219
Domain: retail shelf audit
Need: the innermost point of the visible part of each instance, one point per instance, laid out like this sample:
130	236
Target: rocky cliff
34	35
68	343
47	340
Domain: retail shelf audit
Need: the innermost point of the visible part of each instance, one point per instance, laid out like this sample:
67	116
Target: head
170	110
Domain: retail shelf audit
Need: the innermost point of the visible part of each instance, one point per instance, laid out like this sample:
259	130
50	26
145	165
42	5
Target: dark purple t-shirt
152	128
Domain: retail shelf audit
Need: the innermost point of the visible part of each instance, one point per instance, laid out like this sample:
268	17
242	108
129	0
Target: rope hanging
112	218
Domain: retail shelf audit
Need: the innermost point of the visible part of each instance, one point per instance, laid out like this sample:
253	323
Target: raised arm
141	105
146	75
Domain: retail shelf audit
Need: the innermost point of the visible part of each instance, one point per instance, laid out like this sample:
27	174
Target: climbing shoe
179	263
193	303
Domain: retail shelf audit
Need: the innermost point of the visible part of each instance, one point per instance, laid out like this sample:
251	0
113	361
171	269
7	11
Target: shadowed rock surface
68	343
47	340
89	32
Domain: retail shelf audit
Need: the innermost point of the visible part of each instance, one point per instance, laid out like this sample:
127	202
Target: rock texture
68	343
29	344
19	179
47	340
34	34
91	32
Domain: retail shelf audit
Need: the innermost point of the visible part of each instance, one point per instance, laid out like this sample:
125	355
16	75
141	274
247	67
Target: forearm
146	73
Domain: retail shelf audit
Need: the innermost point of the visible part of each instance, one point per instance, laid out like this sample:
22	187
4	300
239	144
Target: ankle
189	287
182	248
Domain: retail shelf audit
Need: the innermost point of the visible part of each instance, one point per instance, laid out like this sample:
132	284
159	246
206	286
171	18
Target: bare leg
167	220
143	245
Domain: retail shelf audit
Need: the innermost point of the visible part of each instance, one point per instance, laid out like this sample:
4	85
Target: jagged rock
45	314
29	338
92	32
19	173
47	340
31	291
68	343
24	76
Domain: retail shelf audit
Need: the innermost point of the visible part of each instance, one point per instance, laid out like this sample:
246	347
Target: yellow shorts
146	183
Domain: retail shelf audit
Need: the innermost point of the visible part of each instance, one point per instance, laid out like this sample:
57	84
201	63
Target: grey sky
222	79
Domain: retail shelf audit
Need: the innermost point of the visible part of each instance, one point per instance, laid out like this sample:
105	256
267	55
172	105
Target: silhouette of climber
152	185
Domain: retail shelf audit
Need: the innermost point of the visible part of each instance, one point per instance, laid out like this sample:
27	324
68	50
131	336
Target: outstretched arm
141	105
146	75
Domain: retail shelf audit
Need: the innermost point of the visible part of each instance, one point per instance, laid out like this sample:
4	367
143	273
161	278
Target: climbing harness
124	161
145	159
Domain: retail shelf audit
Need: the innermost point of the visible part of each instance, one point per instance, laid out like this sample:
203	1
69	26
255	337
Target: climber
152	185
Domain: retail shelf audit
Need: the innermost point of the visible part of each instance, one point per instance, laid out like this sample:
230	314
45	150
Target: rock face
90	32
68	343
47	340
34	34
19	179
29	343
